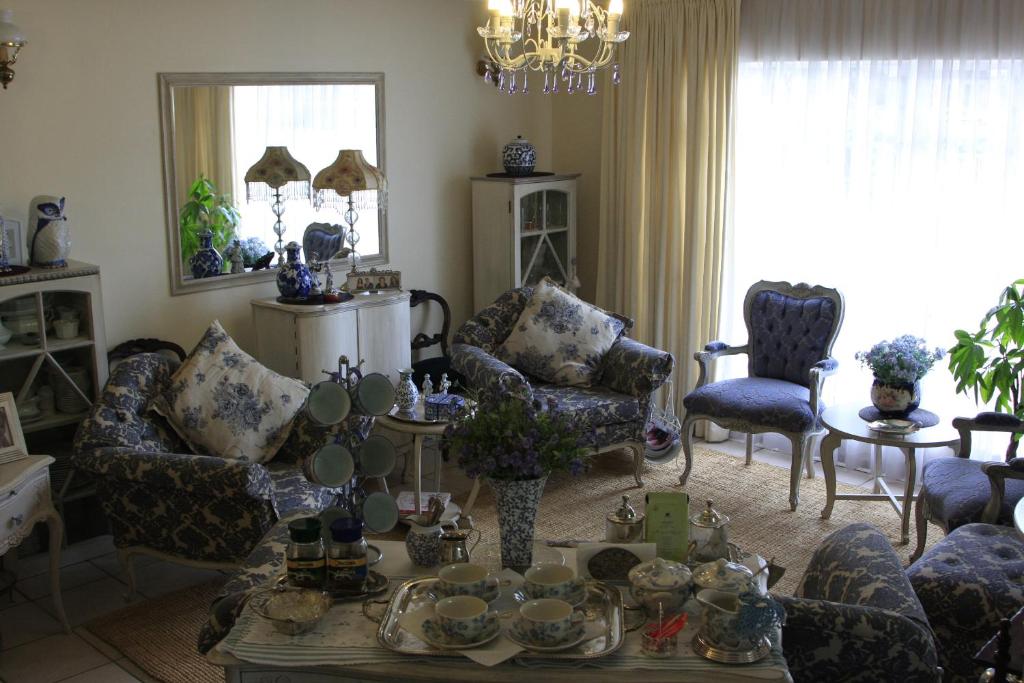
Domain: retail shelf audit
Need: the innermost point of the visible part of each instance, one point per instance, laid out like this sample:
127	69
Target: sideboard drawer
21	502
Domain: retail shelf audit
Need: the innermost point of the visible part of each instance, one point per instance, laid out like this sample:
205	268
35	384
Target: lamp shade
351	177
10	35
277	171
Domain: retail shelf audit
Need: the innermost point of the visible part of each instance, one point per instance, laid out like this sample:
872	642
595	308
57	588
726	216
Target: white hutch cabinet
523	229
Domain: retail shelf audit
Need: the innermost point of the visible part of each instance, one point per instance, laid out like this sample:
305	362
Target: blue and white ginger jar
519	157
206	262
293	277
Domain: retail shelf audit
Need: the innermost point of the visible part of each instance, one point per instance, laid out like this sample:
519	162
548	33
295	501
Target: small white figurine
237	259
445	384
427	388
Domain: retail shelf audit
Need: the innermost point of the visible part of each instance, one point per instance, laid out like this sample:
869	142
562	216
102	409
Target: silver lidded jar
709	535
625	525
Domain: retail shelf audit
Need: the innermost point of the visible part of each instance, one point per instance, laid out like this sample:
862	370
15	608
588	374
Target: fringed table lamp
277	176
351	181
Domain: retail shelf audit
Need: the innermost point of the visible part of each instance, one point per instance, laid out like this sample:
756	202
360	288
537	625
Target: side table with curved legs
843	422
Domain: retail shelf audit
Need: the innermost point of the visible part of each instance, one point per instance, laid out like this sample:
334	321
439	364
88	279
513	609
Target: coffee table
843	422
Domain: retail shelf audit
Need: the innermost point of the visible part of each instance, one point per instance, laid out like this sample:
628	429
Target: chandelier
549	36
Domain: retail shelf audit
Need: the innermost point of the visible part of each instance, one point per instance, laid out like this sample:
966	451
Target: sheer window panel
897	181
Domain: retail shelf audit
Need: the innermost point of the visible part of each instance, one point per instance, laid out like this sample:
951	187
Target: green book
667	523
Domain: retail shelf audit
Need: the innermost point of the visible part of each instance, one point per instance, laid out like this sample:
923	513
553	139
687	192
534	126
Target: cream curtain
202	143
668	133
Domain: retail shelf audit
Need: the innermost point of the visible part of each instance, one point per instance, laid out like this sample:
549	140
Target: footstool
967	582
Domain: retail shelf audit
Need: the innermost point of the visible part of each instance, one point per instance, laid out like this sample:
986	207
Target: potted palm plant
989	363
514	445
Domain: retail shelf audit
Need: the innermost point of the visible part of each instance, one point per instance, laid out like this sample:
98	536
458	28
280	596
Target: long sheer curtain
663	173
880	150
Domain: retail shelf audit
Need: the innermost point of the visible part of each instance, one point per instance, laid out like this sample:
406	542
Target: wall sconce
11	42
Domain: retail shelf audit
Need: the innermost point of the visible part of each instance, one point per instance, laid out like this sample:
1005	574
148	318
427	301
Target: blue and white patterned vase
50	241
895	400
293	277
206	262
423	543
406	393
517	502
519	157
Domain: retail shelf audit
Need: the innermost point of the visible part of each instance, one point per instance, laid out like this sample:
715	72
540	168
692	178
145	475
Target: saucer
439	639
438	591
576	636
576	598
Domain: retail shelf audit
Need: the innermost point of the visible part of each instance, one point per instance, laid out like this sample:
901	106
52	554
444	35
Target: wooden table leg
908	495
828	465
471	501
56	526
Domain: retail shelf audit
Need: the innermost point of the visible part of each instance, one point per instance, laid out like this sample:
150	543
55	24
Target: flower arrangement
510	439
903	360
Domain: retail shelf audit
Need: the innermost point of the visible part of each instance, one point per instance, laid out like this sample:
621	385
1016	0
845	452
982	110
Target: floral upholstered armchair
163	500
614	410
855	616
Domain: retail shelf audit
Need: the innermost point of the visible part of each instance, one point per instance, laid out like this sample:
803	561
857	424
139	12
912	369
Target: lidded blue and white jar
519	157
293	277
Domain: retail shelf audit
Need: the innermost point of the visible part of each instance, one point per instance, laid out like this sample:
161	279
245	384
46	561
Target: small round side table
843	422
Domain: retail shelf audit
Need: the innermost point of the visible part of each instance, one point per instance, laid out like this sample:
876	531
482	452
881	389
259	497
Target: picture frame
13	240
12	440
373	280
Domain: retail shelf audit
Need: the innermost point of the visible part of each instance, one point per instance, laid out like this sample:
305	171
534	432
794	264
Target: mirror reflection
221	130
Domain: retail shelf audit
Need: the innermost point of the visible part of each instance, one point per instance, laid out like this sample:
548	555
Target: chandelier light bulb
615	7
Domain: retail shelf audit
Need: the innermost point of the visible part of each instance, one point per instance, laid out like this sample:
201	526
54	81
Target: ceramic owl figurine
50	243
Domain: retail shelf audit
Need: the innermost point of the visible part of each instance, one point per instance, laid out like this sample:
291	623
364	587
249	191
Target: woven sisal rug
159	635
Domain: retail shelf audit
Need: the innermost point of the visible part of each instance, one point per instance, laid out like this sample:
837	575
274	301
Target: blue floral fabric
956	491
560	338
635	369
484	372
490	327
788	334
967	582
755	401
223	402
591	406
855	616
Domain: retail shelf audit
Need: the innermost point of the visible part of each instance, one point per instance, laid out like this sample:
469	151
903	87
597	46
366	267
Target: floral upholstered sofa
163	499
614	410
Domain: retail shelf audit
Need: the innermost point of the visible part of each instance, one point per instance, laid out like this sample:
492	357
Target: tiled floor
36	649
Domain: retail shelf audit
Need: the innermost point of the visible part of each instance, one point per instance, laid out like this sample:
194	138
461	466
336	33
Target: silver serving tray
602	601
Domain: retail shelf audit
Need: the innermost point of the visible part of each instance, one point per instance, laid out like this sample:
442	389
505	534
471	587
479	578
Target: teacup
464	578
548	621
462	616
552	581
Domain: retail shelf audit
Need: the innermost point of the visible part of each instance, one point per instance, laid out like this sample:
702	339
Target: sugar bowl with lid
660	582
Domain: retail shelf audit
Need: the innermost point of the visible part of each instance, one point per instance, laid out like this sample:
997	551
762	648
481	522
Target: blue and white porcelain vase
406	393
293	277
423	544
206	262
50	243
517	502
896	401
519	157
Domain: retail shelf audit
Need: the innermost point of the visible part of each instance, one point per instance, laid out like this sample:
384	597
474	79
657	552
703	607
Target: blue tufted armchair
791	330
163	500
615	410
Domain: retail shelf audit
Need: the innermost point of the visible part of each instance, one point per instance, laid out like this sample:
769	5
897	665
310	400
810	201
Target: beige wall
576	146
81	120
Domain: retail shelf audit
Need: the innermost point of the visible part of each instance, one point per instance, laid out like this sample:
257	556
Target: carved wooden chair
791	330
957	490
436	365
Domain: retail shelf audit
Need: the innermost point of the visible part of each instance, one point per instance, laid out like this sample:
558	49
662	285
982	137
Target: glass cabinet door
544	237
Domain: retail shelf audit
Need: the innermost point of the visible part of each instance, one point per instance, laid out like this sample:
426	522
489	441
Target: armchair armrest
713	350
986	422
485	372
635	369
199	474
822	640
817	374
998	473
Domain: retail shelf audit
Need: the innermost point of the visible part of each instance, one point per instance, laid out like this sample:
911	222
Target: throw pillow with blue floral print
221	401
560	338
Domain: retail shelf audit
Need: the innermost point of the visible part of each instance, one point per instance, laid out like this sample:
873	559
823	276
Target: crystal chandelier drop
547	36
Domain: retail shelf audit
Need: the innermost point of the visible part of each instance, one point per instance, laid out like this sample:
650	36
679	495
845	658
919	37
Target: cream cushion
222	402
560	338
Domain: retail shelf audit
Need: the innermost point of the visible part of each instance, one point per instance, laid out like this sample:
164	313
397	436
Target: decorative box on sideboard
303	341
523	229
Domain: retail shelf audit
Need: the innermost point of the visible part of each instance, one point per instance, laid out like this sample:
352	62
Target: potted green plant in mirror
205	211
514	445
989	363
898	367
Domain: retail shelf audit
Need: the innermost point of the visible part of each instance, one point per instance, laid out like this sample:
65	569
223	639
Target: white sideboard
303	341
